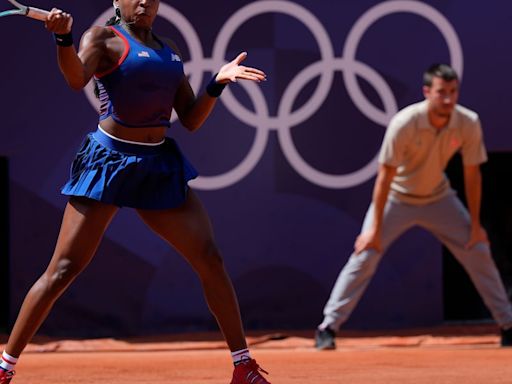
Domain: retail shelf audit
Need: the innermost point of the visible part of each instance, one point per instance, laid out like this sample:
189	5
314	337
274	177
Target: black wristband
213	88
63	40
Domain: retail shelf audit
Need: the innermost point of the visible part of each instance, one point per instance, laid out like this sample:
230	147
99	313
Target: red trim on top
239	353
121	59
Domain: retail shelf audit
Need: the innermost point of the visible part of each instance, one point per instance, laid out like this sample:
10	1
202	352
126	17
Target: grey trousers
449	221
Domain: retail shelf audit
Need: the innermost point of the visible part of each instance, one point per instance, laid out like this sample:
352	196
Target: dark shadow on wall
279	297
106	299
4	244
461	300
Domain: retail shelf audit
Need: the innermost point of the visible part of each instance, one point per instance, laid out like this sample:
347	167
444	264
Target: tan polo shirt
421	152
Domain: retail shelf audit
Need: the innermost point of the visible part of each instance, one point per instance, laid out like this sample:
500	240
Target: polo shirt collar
424	122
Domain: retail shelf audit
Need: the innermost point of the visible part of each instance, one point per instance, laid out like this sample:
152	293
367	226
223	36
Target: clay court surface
447	355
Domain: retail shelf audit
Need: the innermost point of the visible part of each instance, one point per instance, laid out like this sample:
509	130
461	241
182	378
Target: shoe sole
325	347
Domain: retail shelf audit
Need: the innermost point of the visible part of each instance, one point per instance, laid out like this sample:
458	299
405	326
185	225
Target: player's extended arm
193	111
77	68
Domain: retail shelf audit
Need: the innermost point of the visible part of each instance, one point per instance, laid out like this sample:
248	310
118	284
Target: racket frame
32	12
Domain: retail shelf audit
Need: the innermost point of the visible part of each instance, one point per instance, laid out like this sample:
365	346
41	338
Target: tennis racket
23	10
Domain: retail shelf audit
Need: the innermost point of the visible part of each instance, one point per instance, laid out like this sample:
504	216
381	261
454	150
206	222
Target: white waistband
129	141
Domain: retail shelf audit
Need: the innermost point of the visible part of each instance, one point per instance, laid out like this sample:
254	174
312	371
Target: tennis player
129	162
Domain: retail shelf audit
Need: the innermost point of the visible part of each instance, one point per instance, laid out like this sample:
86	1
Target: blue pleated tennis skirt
130	175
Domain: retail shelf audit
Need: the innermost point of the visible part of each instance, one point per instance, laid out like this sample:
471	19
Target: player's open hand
233	71
59	22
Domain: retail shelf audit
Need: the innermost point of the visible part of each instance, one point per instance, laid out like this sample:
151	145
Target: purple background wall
285	225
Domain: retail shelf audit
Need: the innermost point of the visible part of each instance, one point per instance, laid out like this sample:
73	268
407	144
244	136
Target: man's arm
473	190
372	237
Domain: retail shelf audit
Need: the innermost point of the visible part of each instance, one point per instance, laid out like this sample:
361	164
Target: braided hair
116	19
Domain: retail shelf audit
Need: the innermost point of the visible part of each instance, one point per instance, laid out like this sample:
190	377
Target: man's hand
477	235
368	240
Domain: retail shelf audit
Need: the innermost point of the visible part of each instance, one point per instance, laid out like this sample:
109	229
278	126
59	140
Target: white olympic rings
325	69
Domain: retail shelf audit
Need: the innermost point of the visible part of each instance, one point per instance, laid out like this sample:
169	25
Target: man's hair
443	71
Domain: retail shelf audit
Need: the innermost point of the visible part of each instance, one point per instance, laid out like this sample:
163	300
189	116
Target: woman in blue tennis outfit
128	162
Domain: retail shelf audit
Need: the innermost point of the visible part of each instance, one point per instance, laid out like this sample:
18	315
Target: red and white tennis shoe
6	376
248	372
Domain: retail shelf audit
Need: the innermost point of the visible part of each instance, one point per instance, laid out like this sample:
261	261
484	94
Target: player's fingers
70	23
65	22
255	71
254	74
241	57
54	13
59	22
53	17
247	76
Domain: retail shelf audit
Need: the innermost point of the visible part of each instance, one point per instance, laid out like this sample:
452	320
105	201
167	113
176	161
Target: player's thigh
187	228
83	225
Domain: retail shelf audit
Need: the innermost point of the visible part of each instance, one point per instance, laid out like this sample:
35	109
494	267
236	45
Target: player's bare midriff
143	135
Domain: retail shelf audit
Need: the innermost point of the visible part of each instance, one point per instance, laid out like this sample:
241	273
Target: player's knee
210	260
61	276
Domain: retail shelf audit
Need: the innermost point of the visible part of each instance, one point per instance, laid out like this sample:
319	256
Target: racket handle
41	14
38	14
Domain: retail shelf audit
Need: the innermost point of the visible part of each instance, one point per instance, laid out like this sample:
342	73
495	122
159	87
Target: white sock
240	356
7	362
323	327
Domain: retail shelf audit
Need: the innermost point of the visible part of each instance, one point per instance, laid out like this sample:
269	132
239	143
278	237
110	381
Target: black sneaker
506	337
325	339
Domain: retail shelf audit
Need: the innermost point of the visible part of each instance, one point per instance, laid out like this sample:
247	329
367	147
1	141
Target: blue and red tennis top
139	91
